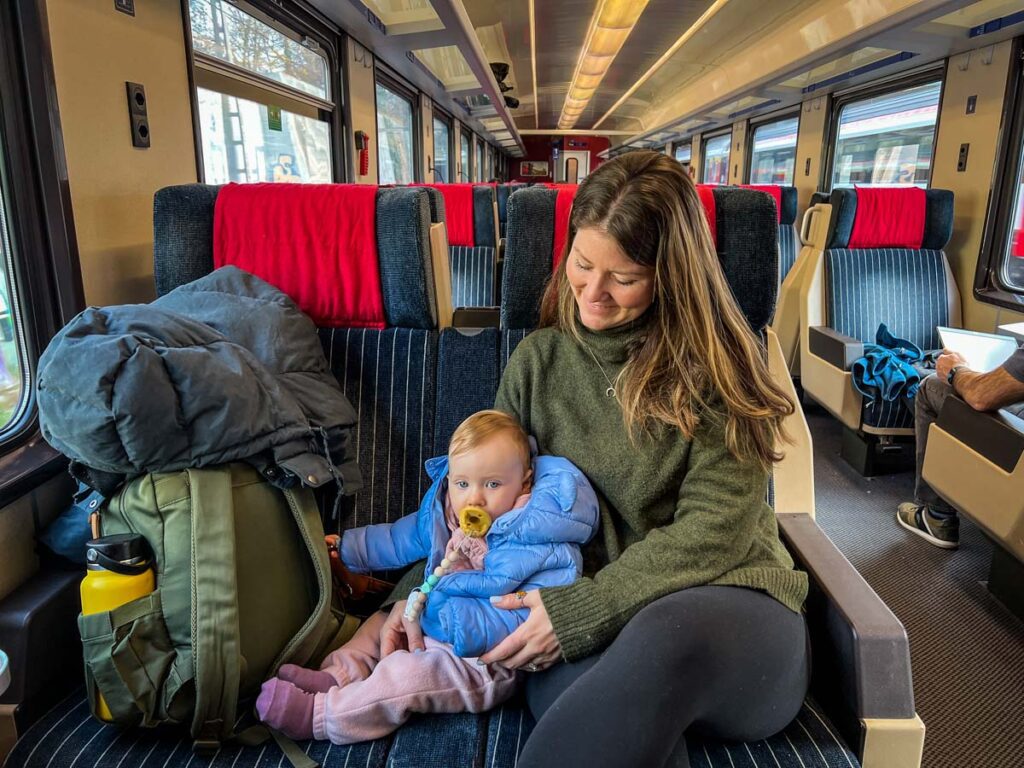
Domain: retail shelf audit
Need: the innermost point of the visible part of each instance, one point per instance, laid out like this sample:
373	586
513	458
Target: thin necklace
610	392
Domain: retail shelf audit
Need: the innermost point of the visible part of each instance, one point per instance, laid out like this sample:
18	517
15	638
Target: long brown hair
699	346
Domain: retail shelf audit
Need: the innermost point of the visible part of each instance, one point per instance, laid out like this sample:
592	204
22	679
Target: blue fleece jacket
528	548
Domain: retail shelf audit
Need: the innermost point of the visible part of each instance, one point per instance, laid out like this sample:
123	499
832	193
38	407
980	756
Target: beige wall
20	522
983	73
362	105
810	142
95	50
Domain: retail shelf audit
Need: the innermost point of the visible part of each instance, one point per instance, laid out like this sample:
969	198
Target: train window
228	33
263	98
396	127
478	172
773	152
887	139
716	159
442	145
464	156
240	142
683	152
12	351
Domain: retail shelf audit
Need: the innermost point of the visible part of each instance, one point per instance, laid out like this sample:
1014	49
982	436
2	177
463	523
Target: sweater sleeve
713	528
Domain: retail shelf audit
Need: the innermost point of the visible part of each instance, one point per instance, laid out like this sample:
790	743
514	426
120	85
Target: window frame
704	139
298	23
443	117
384	77
904	81
988	284
754	124
47	272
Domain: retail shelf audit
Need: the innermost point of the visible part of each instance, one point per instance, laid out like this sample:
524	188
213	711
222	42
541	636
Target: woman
646	375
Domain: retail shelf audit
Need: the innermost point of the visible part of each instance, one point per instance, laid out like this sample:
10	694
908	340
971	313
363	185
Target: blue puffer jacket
528	548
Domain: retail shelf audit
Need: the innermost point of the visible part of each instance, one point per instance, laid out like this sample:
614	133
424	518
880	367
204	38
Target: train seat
862	665
864	275
504	192
975	461
808	239
469	212
789	241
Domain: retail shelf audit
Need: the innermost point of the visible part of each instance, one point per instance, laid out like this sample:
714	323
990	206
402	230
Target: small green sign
274	118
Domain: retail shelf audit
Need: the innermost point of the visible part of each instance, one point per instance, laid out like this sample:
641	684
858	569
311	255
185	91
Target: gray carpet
967	650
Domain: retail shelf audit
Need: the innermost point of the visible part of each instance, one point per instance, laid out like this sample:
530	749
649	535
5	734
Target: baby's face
490	476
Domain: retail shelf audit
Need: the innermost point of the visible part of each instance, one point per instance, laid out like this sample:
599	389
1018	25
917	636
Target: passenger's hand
946	361
533	646
399	633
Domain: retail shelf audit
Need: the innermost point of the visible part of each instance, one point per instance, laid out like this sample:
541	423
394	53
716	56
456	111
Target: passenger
364	690
647	376
928	515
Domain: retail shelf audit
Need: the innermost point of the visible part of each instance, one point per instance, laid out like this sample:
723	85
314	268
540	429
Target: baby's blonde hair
482	426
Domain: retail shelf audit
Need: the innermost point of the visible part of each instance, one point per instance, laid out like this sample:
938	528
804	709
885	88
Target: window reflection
394	137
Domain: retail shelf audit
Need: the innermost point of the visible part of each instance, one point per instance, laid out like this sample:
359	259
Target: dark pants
728	662
927	404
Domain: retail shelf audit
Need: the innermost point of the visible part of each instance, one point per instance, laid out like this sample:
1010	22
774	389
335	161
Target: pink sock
288	709
309	680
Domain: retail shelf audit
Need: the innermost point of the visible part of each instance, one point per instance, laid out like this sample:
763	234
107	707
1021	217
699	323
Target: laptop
983	352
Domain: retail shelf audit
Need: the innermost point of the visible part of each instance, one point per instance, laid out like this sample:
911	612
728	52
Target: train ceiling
649	71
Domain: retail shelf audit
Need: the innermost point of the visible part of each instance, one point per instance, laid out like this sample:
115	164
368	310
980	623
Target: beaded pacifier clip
474	522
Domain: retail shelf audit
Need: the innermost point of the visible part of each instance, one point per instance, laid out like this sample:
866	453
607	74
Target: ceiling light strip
697	25
533	63
610	26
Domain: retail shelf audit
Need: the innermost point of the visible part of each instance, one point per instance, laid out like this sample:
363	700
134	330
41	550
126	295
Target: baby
540	512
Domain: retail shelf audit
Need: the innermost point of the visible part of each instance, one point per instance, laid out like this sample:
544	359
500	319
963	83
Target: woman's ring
521	595
531	667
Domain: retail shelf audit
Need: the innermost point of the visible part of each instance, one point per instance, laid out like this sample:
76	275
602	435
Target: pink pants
375	696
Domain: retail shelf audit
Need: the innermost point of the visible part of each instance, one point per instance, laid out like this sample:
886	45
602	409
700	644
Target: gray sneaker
918	519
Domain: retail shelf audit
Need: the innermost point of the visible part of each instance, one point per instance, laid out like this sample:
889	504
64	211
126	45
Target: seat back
388	374
470	215
504	191
746	235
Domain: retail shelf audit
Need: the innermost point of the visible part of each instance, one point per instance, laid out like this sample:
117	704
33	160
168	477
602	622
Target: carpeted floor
967	650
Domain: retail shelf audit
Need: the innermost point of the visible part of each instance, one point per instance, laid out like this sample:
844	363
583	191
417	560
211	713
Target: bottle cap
121	547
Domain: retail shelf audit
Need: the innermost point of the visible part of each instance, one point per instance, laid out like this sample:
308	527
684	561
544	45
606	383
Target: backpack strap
302	648
215	640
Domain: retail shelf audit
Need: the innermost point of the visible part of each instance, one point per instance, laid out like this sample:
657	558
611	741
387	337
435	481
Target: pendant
610	392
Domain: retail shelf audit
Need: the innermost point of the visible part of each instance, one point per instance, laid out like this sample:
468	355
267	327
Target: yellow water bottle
119	571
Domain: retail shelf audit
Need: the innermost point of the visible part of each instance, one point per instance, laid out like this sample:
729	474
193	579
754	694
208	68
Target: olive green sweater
675	513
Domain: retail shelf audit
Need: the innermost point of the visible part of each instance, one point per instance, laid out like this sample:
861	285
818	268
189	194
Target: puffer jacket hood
534	546
226	368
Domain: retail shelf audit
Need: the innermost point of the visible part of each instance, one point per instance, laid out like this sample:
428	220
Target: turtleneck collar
613	345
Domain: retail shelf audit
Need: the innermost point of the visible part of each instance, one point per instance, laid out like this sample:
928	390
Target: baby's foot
288	709
309	680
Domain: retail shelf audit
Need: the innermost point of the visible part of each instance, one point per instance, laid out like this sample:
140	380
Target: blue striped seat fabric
68	736
789	247
473	272
390	378
905	289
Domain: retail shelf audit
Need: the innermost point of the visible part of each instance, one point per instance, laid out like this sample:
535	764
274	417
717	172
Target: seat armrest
998	436
833	347
39	632
476	317
861	657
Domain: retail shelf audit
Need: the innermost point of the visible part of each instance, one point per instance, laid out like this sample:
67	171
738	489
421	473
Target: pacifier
474	522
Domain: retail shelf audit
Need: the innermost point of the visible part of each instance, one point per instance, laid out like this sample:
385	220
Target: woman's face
610	288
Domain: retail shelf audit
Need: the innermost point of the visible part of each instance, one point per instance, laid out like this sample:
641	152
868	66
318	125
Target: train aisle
967	650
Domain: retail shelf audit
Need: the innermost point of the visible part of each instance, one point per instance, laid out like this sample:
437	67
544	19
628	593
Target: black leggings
728	662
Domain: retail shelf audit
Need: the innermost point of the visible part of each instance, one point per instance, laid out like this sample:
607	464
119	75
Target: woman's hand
399	633
533	646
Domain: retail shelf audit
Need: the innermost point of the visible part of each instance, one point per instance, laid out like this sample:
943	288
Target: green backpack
243	586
